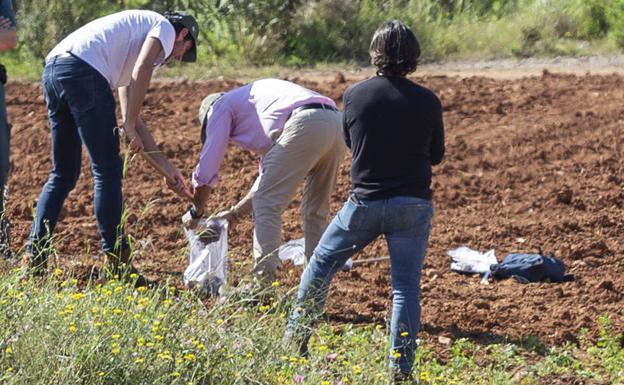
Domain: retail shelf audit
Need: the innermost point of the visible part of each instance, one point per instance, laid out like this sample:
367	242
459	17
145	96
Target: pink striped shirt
249	116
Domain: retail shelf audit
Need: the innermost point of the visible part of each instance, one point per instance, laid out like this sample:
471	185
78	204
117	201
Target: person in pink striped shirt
298	134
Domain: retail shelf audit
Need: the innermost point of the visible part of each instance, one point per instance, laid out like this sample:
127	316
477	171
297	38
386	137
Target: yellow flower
357	369
139	360
219	321
97	324
58	271
249	355
8	350
275	284
116	351
176	374
397	355
404	334
116	336
77	296
189	357
158	337
325	383
10	370
378	327
141	341
133	276
200	346
141	289
72	328
101	374
117	311
149	344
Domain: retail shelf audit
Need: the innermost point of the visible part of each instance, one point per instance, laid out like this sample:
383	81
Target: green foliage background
301	33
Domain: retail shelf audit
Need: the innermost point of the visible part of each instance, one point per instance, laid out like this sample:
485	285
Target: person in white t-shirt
119	51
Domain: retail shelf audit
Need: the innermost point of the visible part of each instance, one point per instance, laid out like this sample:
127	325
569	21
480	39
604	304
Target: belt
53	59
311	106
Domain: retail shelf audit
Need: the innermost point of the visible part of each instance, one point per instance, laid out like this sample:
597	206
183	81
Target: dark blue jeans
405	222
81	110
5	138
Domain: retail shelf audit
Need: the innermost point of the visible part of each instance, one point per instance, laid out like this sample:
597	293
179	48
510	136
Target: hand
135	144
6	23
189	222
230	215
178	185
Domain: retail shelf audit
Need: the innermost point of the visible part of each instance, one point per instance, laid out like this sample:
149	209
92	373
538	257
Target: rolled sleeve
218	128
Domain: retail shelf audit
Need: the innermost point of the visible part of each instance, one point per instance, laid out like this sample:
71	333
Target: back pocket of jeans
410	216
352	216
80	93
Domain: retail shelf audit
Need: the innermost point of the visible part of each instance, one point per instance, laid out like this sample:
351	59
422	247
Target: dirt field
531	163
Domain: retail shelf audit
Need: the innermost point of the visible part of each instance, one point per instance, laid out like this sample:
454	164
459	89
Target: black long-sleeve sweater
395	130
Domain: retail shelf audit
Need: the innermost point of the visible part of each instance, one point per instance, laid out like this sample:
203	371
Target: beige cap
206	104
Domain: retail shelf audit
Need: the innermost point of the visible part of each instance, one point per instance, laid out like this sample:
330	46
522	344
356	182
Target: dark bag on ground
530	268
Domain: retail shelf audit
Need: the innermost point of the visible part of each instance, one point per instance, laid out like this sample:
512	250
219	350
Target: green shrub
297	33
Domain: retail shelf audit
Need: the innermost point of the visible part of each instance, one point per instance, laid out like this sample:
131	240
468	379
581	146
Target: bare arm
135	92
151	151
200	198
240	210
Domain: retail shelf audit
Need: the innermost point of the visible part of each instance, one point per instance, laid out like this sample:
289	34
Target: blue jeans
5	140
81	110
405	222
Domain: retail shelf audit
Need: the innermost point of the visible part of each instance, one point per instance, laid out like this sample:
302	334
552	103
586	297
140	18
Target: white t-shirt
111	44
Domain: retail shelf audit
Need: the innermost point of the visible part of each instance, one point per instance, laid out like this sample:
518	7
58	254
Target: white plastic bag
207	268
294	251
466	260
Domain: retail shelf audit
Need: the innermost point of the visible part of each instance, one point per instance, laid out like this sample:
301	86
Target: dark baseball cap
188	22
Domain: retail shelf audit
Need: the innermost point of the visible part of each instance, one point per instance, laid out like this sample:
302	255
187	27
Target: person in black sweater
394	128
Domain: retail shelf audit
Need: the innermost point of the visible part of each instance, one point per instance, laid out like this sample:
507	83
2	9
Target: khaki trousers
310	148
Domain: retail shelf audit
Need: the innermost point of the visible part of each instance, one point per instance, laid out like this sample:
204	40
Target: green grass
265	38
55	331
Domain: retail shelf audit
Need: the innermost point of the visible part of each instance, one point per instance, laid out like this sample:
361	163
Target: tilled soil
534	163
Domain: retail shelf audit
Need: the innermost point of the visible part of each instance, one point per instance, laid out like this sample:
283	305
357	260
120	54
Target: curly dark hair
394	49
